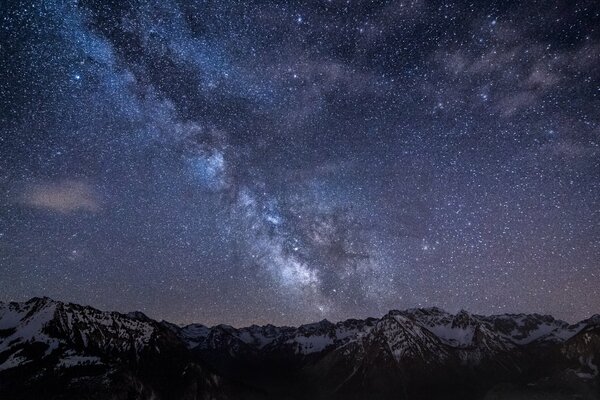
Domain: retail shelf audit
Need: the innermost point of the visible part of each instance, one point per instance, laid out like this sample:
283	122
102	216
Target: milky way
284	162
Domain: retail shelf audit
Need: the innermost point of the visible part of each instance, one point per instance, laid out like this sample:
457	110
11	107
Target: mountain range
55	350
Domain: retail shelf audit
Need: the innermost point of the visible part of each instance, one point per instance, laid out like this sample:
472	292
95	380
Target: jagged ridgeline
55	350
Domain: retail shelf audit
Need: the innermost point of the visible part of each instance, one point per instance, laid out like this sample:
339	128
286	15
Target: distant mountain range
55	350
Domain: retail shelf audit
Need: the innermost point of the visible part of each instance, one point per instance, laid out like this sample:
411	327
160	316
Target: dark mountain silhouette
55	350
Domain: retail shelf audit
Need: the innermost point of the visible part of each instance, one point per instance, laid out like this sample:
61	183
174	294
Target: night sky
284	162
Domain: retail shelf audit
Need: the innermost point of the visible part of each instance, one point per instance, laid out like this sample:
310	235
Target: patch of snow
541	330
194	334
585	375
257	339
311	344
14	361
75	360
453	335
27	328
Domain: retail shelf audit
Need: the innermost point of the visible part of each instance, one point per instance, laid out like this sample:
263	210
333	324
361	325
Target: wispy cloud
65	196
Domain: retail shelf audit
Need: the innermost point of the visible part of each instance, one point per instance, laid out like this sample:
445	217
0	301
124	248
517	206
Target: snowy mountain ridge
46	342
54	326
43	320
456	331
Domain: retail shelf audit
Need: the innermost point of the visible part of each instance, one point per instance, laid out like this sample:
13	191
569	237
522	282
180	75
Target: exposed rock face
49	349
53	350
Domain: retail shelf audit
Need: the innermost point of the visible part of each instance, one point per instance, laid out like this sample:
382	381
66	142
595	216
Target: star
292	161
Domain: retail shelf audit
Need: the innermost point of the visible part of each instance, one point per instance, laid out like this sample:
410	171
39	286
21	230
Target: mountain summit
50	349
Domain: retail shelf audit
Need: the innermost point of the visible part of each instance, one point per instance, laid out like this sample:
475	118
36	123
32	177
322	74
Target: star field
284	162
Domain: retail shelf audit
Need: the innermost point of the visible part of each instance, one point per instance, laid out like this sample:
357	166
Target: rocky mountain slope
50	349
